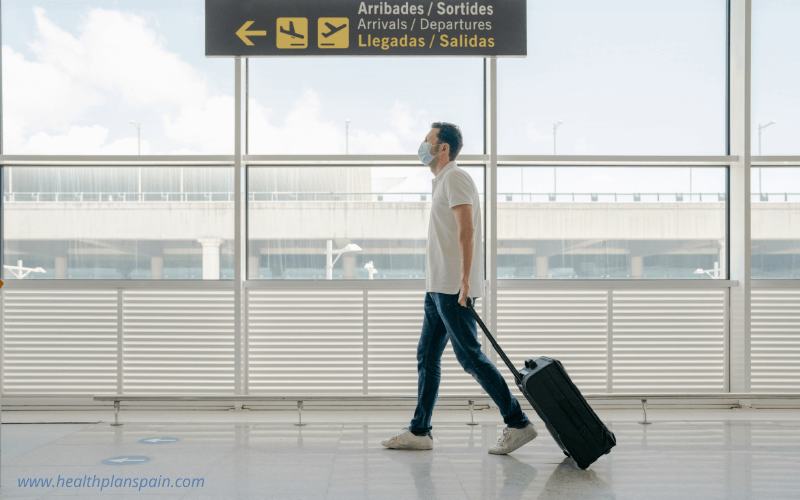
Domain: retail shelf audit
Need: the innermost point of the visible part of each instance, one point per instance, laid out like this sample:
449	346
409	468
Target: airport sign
292	28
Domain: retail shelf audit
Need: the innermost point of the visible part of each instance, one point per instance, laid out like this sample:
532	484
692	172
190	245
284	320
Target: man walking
454	271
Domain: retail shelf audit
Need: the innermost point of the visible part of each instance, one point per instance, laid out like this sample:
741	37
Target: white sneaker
407	440
513	439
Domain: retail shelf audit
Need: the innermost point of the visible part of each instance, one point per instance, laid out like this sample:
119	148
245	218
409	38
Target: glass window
774	224
76	74
301	106
775	59
372	221
118	223
624	77
611	222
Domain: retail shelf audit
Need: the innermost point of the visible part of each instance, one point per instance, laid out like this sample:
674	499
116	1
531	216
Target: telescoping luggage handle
497	348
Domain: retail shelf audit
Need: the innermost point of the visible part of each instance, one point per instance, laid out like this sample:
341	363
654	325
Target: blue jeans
446	319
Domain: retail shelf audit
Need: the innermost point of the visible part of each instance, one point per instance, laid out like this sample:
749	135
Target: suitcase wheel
567	454
583	467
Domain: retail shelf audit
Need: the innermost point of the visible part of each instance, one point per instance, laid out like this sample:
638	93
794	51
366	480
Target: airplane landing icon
333	29
292	33
334	32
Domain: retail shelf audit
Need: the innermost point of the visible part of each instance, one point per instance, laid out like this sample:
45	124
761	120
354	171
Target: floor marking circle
159	440
126	460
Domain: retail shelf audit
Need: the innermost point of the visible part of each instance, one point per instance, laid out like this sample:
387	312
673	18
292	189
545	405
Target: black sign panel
292	28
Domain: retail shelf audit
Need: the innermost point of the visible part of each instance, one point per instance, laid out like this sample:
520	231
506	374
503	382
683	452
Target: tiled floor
704	459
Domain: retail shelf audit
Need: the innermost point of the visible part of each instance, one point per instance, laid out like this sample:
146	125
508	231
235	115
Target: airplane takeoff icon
333	32
333	29
291	32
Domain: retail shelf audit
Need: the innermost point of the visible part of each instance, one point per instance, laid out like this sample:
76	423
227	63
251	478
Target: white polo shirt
452	187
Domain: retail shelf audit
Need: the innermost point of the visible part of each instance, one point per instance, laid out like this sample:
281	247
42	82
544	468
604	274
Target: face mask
424	153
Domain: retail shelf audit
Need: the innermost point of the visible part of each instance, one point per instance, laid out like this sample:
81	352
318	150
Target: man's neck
442	164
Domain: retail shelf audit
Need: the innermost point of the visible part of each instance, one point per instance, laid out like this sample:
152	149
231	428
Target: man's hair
450	134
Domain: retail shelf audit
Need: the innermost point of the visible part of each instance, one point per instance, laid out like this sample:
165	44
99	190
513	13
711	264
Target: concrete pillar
210	257
157	268
637	267
542	263
349	266
61	268
253	267
253	260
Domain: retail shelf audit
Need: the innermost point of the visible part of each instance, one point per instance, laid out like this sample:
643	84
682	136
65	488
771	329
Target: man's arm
466	239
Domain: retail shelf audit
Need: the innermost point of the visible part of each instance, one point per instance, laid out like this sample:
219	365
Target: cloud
38	96
534	135
116	51
74	95
81	141
206	128
305	130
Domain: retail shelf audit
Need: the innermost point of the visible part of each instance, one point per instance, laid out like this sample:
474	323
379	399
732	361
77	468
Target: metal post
644	413
116	414
739	200
300	415
471	417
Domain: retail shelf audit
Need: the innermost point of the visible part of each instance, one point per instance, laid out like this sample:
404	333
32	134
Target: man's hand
462	297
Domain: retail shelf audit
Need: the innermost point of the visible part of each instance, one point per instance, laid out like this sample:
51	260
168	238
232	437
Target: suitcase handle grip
517	375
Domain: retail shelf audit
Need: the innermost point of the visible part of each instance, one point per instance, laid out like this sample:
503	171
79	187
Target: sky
625	76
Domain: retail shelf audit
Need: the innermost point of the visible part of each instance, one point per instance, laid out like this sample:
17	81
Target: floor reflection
713	459
569	482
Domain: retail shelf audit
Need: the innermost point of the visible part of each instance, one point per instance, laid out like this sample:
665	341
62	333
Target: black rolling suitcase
565	412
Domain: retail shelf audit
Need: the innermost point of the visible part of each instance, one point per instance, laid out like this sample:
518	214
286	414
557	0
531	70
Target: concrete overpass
537	229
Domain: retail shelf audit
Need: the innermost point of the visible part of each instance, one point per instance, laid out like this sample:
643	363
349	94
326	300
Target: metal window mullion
490	88
120	341
238	238
2	340
246	349
365	352
726	341
610	342
739	199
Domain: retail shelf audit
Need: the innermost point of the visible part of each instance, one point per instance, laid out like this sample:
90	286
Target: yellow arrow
243	33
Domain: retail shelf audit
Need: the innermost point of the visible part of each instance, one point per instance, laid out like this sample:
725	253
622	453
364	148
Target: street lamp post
330	261
555	128
347	137
760	128
370	267
139	152
138	137
713	273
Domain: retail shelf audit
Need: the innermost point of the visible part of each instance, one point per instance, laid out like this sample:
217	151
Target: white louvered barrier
775	340
178	342
566	325
75	342
305	341
59	342
668	341
624	341
366	341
